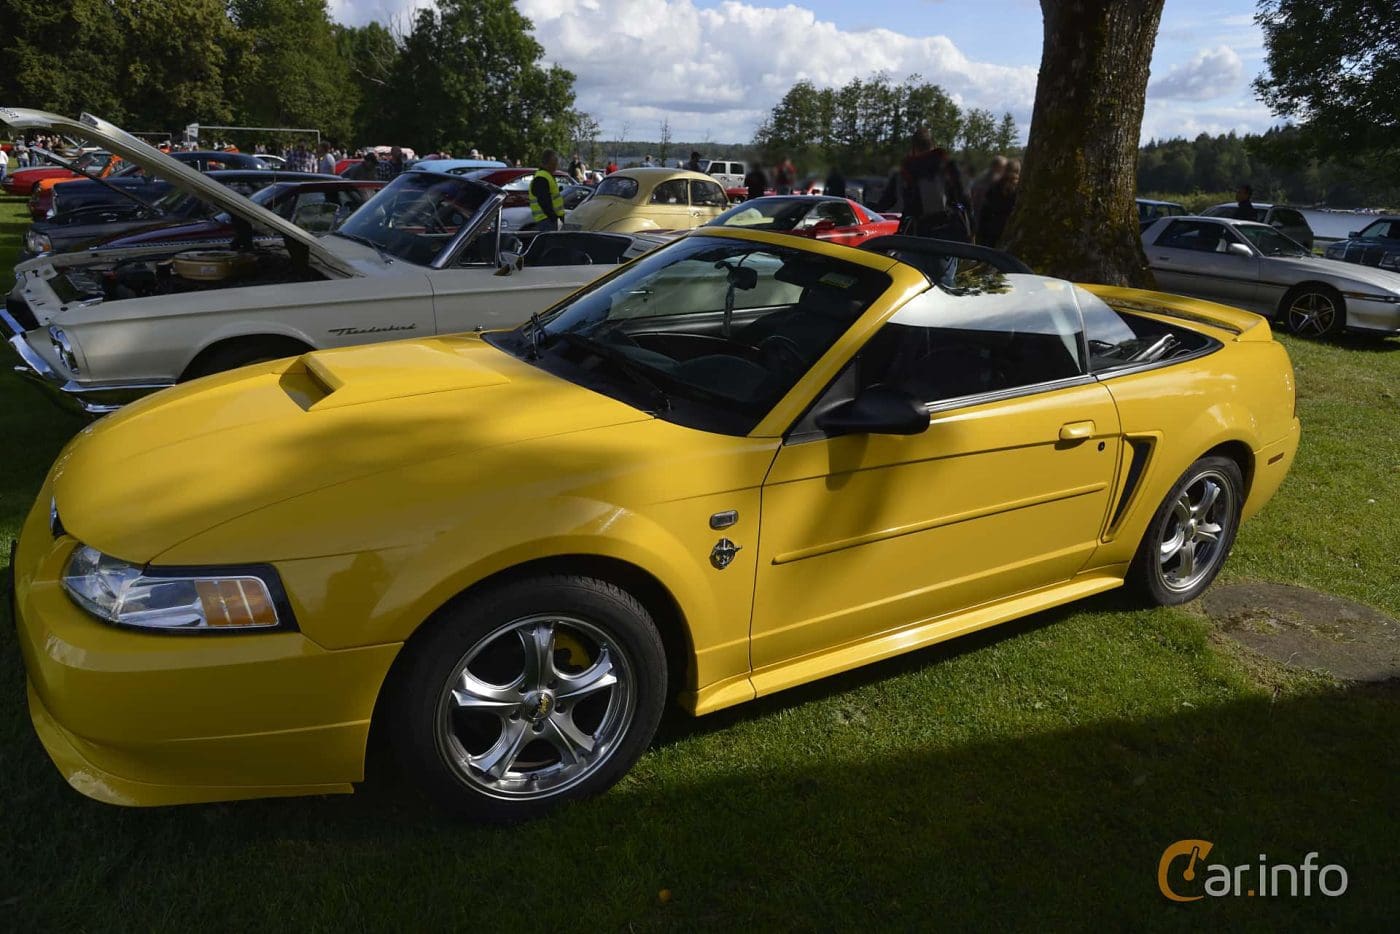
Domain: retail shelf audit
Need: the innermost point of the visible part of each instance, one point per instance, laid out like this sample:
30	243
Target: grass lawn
1029	777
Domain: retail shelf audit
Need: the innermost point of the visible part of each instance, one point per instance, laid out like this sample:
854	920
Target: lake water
1335	225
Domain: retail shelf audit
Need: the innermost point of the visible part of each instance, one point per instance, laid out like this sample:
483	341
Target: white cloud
720	70
1210	73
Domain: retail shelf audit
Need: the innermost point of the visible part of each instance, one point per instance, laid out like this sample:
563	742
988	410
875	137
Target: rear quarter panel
1241	393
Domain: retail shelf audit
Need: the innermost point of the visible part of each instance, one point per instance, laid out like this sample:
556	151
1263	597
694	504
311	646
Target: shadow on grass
1056	829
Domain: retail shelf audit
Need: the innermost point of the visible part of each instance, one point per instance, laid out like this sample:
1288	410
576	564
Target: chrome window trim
490	208
1001	395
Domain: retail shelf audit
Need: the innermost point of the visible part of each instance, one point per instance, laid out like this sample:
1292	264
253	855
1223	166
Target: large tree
62	57
470	73
1074	215
290	72
1334	65
175	64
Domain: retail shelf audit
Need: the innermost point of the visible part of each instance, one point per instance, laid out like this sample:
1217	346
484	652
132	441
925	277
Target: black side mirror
879	410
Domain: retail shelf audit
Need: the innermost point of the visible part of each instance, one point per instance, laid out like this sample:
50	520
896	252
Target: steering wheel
776	346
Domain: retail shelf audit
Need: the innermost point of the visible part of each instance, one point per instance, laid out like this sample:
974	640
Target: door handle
1076	431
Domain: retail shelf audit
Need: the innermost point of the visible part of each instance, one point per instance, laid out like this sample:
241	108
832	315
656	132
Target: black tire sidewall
1145	574
434	652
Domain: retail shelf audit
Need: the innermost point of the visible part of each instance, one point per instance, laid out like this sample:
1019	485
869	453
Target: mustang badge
722	555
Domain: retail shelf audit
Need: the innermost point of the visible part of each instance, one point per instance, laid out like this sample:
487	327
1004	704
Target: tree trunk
1075	217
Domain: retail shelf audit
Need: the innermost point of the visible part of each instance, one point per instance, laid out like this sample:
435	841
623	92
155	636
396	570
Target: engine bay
190	271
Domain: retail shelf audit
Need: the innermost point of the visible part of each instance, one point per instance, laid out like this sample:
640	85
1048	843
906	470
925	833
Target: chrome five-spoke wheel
521	695
1191	538
536	706
1313	313
1191	533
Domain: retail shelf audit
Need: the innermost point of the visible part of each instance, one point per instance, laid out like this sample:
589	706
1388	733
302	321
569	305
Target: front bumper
1370	313
75	396
142	719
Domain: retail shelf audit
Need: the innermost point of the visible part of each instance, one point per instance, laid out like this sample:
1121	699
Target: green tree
175	66
370	54
1335	67
1006	134
1075	215
471	70
289	69
979	134
64	57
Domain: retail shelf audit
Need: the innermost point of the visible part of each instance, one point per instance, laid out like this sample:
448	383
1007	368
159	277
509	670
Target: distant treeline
1270	164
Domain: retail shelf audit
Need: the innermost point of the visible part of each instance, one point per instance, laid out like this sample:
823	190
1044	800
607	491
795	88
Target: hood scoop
356	375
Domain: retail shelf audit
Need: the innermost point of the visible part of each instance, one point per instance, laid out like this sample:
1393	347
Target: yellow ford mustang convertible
735	465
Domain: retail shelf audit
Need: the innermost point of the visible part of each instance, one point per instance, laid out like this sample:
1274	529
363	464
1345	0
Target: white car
426	255
1254	266
729	174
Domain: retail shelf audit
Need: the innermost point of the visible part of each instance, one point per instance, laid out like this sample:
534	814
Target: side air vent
19	310
1140	450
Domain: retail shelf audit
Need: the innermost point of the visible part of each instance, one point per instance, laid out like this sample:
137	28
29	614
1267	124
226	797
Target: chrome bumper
83	398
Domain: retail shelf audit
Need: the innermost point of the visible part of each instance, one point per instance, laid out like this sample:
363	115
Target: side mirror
1238	249
1353	234
879	410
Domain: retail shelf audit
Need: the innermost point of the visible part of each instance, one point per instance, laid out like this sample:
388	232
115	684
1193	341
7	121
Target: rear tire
1314	311
526	695
1191	534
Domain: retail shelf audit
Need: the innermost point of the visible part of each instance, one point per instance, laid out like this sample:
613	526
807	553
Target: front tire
1313	311
1191	534
528	694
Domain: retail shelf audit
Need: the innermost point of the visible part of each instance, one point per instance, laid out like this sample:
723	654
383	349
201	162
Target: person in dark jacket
367	170
835	184
756	182
1244	204
998	205
694	163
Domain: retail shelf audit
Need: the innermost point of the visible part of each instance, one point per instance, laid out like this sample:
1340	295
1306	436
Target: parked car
41	194
745	462
1149	211
1376	244
271	161
22	181
424	256
1287	219
650	199
727	172
86	226
1255	266
835	220
318	207
129	180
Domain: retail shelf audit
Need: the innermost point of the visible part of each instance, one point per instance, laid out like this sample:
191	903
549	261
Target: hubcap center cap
537	706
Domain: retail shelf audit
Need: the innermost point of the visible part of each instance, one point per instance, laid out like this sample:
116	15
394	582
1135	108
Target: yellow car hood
176	464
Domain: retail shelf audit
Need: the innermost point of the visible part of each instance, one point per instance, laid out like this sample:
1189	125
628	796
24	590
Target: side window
838	211
707	194
1289	217
672	192
941	347
1199	236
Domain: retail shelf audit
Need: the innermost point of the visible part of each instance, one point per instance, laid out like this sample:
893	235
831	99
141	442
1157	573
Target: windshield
708	331
416	216
766	214
617	186
1269	241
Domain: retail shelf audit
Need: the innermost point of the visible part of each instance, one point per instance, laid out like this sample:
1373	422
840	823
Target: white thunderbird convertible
1254	266
426	255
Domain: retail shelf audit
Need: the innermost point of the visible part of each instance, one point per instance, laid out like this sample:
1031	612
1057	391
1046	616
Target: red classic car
91	164
836	220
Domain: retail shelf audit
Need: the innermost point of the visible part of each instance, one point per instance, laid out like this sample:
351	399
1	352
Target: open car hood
114	139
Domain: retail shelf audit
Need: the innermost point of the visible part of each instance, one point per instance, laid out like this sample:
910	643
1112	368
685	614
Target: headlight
64	348
175	599
37	242
1390	261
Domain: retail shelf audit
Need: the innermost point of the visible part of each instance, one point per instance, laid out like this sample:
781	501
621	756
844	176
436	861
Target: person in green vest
546	202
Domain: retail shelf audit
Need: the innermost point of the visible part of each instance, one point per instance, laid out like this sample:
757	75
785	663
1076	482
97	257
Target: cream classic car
650	199
425	256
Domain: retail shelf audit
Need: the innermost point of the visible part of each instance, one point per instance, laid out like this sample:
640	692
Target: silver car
1254	266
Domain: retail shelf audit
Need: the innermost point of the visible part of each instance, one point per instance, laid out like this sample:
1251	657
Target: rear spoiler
917	251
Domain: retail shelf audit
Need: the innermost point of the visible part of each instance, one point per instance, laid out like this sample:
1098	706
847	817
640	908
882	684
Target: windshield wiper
624	364
369	243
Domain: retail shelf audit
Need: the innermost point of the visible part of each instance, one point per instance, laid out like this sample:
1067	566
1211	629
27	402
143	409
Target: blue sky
715	67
